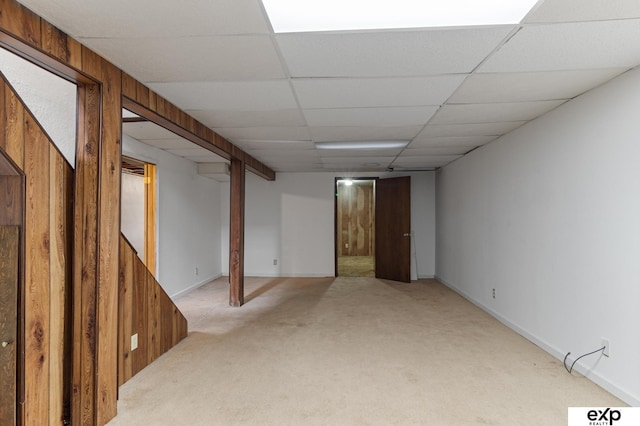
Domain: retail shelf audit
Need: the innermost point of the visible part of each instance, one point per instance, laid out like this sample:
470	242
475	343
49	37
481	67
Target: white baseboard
598	379
194	286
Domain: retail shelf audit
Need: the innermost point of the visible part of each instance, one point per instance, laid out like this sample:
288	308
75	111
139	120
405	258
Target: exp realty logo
604	416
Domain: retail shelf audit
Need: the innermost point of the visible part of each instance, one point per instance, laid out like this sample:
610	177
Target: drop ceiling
445	90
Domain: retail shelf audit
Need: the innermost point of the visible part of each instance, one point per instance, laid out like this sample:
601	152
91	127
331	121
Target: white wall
132	215
549	216
51	99
188	214
292	220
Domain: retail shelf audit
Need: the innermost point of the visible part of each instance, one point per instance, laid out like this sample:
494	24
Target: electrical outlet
134	341
346	245
275	262
493	293
607	347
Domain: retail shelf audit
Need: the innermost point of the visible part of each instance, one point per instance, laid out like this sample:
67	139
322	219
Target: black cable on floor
576	360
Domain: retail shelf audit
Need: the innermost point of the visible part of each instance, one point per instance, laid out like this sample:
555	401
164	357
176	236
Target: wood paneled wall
44	390
356	209
102	91
146	310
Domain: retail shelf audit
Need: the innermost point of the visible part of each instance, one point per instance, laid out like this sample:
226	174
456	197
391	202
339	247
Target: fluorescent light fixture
332	15
362	145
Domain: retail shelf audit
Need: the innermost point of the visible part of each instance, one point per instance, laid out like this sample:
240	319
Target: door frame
10	169
335	215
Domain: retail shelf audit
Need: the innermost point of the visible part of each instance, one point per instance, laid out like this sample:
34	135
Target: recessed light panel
334	15
362	145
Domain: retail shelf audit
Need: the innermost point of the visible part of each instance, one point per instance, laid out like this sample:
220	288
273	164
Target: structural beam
236	234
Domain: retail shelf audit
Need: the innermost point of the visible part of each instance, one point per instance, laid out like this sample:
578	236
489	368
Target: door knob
5	344
406	234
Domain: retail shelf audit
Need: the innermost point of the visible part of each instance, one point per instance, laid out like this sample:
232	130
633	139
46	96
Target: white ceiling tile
362	161
146	130
191	152
375	92
296	166
437	150
389	53
301	154
329	153
192	58
350	168
258	145
492	113
149	18
333	134
206	158
226	118
228	95
177	143
582	45
477	129
425	161
380	117
584	10
538	86
450	141
265	133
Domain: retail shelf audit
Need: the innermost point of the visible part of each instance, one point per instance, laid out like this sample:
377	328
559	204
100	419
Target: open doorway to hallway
355	227
138	204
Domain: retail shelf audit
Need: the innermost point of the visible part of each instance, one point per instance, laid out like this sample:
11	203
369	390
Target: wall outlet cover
134	341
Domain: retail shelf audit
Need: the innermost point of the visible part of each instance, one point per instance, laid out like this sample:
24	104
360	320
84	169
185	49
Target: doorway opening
355	227
138	204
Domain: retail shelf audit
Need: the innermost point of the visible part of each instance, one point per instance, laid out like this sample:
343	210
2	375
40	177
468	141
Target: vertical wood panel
128	86
152	319
37	297
10	200
14	129
141	312
9	259
145	309
85	255
61	46
109	244
125	311
20	22
58	286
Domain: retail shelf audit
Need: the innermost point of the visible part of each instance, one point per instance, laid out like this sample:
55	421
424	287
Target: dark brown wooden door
9	255
393	229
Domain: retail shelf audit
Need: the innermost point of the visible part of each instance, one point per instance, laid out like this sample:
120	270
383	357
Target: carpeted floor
350	351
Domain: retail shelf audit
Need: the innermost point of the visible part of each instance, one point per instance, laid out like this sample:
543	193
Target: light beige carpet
350	351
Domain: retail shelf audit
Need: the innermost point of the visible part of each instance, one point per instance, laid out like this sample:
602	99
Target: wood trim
85	271
236	234
9	290
150	217
152	107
